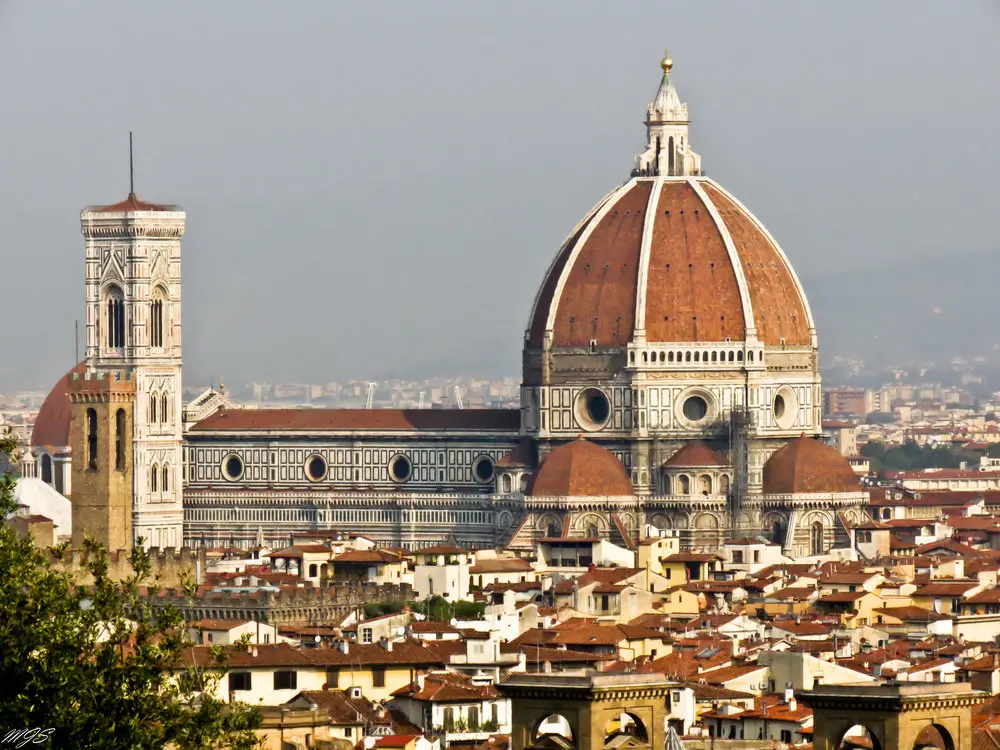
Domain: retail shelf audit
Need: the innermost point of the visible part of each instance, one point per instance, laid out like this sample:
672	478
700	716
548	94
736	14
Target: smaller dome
51	426
581	469
808	465
696	453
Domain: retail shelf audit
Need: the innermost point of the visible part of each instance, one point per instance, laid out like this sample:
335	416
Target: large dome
673	259
581	469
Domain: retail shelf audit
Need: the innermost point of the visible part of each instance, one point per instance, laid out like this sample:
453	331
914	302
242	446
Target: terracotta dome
52	423
581	469
808	465
696	453
677	258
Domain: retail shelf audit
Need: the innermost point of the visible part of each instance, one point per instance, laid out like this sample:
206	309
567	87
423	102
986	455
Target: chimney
344	647
547	667
253	651
789	696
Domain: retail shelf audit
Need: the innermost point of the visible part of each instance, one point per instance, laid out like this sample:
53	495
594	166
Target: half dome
696	454
808	465
581	469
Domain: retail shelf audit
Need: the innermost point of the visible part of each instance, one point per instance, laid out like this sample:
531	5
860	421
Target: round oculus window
695	408
482	469
784	408
316	468
592	408
232	466
400	468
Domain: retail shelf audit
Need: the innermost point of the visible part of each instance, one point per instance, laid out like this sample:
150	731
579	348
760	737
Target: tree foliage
910	455
93	666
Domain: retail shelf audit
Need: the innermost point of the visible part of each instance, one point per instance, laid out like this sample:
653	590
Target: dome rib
603	274
734	260
644	250
773	284
538	320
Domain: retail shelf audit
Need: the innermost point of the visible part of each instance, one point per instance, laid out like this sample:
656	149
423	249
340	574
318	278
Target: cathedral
670	378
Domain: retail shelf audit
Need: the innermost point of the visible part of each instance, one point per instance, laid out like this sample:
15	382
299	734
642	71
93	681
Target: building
670	332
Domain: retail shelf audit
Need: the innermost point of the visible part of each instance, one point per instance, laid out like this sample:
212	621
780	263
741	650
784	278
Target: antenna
131	167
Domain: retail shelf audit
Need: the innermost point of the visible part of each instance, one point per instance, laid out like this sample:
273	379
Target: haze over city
376	190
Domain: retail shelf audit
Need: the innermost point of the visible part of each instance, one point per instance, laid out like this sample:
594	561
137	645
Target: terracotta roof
210	624
581	469
692	289
51	427
911	614
131	203
367	556
952	588
447	687
722	675
696	453
405	420
520	456
501	565
806	465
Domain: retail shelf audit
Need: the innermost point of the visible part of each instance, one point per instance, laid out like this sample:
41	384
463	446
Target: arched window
670	356
684	484
154	476
750	356
312	570
115	318
663	357
739	356
165	475
705	484
91	439
687	356
715	356
724	484
152	407
670	155
816	538
156	319
696	359
507	486
120	439
46	468
163	408
730	356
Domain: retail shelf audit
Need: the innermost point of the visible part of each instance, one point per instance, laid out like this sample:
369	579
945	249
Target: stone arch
705	484
660	521
863	734
683	485
549	525
555	724
625	724
588	522
706	521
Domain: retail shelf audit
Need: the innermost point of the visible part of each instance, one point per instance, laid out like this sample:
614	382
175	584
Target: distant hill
930	309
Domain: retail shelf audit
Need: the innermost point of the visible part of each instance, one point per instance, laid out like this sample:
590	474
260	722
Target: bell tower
101	428
133	325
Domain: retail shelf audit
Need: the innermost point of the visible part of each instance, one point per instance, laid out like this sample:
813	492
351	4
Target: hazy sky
377	188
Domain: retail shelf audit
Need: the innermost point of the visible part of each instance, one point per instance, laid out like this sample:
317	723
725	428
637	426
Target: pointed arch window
154	475
156	319
816	538
46	468
120	440
165	478
163	408
115	318
152	407
92	439
670	155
